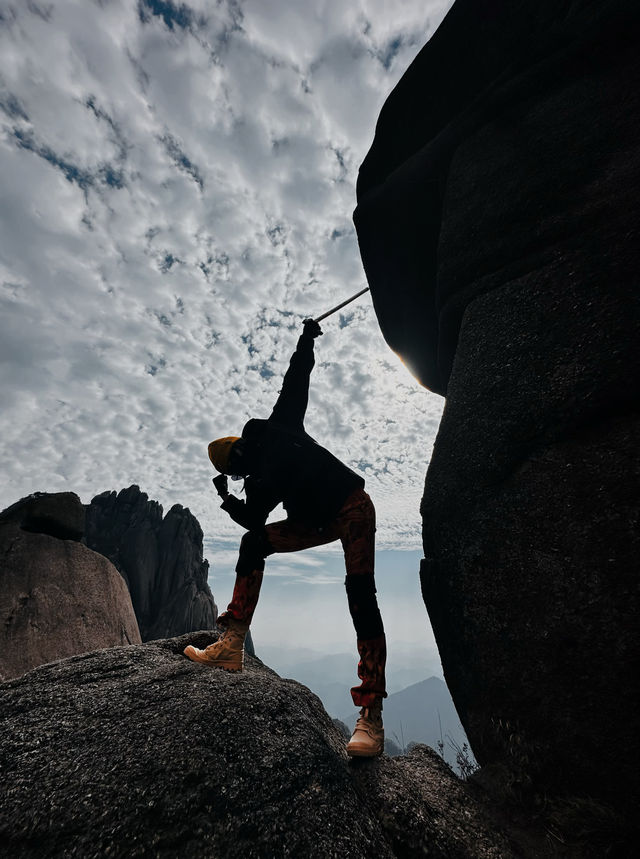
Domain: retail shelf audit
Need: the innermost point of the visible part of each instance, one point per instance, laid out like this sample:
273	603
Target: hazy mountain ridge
417	710
422	713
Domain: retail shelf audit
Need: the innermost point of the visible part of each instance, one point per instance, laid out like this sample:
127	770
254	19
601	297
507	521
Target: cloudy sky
178	181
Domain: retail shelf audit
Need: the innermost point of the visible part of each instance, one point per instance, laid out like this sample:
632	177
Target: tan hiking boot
227	652
367	740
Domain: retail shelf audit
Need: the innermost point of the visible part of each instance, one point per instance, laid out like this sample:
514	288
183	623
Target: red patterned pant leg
246	591
283	536
357	526
371	671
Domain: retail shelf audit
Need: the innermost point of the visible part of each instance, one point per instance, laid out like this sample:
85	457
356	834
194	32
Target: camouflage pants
355	527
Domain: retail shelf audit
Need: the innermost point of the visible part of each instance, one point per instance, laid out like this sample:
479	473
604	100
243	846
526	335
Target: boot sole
232	667
363	753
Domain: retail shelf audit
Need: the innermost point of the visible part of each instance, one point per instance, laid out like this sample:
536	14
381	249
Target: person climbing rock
324	501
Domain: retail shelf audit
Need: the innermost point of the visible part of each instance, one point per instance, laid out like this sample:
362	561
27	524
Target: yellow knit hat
220	451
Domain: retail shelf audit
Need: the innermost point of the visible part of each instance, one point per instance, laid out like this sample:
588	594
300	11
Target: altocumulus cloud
177	188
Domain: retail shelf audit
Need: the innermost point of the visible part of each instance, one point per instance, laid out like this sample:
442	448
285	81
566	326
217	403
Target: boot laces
369	716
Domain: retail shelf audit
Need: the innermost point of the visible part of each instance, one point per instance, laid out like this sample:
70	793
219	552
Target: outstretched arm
291	405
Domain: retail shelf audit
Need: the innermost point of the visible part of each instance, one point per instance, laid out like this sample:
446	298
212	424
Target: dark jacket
289	466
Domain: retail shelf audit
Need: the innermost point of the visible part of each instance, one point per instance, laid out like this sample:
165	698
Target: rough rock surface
499	223
159	558
510	144
57	597
136	751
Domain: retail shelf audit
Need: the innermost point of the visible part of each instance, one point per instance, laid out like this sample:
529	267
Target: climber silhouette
324	501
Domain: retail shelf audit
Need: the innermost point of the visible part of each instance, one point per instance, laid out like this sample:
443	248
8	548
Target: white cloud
175	200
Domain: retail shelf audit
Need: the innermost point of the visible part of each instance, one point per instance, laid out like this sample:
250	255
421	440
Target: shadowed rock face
499	225
509	144
57	597
136	751
159	558
59	514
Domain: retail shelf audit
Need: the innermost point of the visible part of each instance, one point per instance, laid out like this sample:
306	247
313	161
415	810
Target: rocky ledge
161	560
136	751
57	597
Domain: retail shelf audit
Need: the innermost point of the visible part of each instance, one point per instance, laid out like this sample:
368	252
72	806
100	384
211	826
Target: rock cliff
161	560
135	751
499	223
57	597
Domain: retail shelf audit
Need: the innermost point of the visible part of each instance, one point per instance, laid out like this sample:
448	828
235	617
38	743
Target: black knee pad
363	606
254	548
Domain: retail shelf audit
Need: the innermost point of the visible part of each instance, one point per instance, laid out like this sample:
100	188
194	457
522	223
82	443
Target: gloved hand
221	484
312	328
